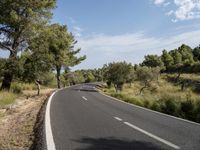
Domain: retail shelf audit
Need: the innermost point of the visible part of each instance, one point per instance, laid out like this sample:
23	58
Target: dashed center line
149	134
84	98
152	136
117	118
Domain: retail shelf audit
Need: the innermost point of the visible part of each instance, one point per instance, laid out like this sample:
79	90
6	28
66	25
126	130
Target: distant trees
152	61
187	55
196	53
167	59
118	74
183	59
146	76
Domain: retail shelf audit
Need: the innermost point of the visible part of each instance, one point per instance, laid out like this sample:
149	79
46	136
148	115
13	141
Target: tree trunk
178	77
116	89
6	83
38	88
8	76
144	87
58	76
183	86
141	90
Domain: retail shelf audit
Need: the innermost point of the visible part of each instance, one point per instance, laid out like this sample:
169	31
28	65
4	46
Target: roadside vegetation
169	83
38	53
163	97
20	124
7	98
40	57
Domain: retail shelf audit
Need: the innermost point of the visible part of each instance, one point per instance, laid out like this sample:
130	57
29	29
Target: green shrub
155	106
117	95
147	103
28	86
137	102
169	106
187	109
197	111
16	88
7	98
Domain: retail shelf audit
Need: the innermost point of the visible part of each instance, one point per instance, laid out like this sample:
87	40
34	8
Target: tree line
184	59
36	46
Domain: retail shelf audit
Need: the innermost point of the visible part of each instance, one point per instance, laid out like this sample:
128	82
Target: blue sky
118	30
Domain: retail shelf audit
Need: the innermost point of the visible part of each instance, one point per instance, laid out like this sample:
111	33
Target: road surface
83	119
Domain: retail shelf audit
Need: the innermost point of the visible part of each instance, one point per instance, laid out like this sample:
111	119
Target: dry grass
156	92
17	124
7	98
162	96
194	77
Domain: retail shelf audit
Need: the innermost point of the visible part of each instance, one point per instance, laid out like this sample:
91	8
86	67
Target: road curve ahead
83	119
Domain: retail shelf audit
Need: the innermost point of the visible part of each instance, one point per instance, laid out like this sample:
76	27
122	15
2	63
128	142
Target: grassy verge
7	98
18	125
164	97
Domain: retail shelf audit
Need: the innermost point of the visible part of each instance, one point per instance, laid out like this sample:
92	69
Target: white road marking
49	136
117	118
84	98
152	136
113	98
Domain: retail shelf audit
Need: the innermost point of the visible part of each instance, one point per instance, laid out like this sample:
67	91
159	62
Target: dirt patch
19	125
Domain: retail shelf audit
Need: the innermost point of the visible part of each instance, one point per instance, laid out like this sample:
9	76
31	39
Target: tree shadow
111	143
85	90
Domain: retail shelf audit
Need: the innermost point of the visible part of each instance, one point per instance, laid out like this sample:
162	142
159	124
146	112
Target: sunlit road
83	119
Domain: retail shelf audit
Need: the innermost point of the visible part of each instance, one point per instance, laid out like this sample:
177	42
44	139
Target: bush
7	98
169	106
155	106
147	103
197	111
187	109
16	88
117	95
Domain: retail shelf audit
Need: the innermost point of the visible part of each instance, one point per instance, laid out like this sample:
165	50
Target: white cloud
132	47
169	13
77	31
185	9
159	2
166	4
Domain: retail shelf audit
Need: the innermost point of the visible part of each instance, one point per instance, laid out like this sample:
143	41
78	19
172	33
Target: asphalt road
83	119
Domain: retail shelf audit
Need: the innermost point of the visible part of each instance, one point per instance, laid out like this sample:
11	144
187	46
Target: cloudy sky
117	30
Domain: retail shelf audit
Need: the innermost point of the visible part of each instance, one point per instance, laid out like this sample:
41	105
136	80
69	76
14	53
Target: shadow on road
86	90
115	144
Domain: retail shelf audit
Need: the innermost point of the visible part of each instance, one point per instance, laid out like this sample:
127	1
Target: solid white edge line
152	136
191	122
117	118
48	131
49	136
84	98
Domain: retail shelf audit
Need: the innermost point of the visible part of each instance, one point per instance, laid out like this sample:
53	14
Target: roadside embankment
21	121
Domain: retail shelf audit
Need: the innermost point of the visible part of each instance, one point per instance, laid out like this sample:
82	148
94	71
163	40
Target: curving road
83	119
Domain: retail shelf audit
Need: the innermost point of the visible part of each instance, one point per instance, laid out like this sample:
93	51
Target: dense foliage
36	47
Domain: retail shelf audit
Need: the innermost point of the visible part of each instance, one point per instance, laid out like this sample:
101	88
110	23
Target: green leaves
19	19
152	61
118	74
